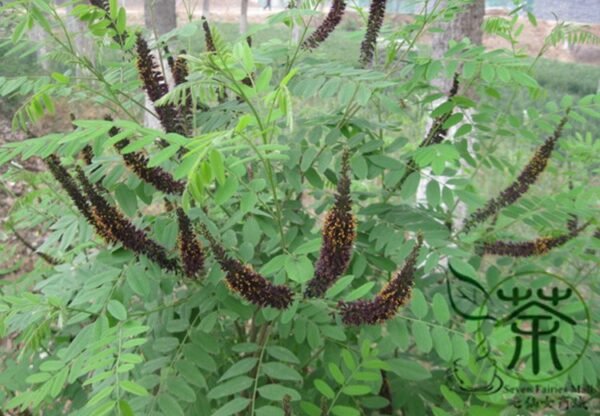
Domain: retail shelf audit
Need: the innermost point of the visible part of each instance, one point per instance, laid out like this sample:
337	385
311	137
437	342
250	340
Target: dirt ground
15	257
531	39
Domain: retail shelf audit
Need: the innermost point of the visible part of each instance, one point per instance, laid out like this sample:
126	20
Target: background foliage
106	331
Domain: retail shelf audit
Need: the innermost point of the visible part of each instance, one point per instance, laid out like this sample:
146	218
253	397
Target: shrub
265	252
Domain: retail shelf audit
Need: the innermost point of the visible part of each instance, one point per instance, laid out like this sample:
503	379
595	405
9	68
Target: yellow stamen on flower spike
138	163
155	86
180	73
87	154
63	177
537	247
389	299
114	226
528	176
339	232
190	249
154	81
250	285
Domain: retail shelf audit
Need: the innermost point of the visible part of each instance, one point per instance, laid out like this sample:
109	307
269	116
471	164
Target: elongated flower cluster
514	191
115	227
104	5
107	220
208	38
436	134
333	18
246	282
376	15
387	302
138	163
170	58
180	73
180	70
87	154
190	249
339	232
63	177
155	86
154	82
537	247
156	176
46	257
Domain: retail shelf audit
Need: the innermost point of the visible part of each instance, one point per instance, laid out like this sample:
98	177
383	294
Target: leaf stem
265	333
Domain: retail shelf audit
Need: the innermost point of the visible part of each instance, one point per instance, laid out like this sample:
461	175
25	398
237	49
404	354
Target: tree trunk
37	35
244	17
205	8
295	27
467	24
160	16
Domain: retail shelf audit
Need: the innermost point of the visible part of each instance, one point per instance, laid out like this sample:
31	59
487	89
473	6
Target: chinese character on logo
544	321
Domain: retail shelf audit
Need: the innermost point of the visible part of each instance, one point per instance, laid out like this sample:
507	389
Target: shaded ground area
15	257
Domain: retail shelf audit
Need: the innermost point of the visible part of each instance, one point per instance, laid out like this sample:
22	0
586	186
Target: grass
342	45
558	78
564	78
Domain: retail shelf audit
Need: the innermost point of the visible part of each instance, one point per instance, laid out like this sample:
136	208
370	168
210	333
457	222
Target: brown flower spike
528	176
104	5
436	134
246	282
46	257
154	82
87	154
387	302
190	249
138	163
180	74
367	47
339	232
155	86
331	21
114	226
537	247
63	177
208	38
